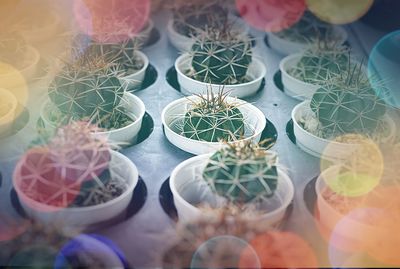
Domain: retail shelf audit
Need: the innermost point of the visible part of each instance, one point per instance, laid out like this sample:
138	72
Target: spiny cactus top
348	104
212	119
242	172
87	88
320	62
122	53
221	56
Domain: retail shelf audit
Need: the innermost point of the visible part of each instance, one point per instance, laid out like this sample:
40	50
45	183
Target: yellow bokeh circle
360	172
339	11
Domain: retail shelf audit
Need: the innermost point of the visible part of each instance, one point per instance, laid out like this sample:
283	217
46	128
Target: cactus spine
242	172
348	104
213	119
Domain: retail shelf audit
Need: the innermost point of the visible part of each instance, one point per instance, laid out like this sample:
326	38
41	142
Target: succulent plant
348	103
88	88
211	118
221	56
73	169
308	29
321	62
242	172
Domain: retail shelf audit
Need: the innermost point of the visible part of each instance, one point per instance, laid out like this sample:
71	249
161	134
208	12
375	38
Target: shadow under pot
305	128
73	216
184	43
127	134
190	191
255	73
174	114
286	45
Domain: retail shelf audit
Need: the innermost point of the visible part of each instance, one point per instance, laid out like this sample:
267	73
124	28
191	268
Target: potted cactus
346	104
75	179
190	18
89	88
220	57
303	73
243	175
305	32
223	240
199	123
360	194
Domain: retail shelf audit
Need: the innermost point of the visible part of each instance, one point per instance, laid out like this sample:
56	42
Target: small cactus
87	88
213	119
321	62
221	56
348	104
242	172
70	169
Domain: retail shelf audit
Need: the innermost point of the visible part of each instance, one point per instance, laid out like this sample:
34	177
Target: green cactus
320	62
348	104
87	88
242	172
220	56
213	119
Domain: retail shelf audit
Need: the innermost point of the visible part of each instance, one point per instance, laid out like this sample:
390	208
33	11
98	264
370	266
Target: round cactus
221	57
348	104
321	62
242	172
57	173
87	88
213	119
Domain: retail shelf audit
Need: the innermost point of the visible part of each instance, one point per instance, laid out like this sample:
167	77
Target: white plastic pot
81	217
256	72
294	87
315	145
189	189
174	112
135	80
124	135
286	46
184	43
7	119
